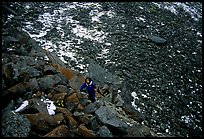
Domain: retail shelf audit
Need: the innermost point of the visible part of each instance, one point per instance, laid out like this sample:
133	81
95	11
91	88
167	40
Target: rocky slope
36	76
149	55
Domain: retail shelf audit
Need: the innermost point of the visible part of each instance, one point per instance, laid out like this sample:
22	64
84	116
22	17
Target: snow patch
25	103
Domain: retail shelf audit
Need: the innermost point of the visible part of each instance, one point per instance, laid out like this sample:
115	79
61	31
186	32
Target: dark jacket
89	88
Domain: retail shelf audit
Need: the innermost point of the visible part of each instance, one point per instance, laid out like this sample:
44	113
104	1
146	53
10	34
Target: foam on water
173	8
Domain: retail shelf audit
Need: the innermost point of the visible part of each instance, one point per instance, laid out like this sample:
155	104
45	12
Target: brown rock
39	94
41	122
67	72
7	72
80	107
49	96
71	121
86	132
79	95
18	88
59	118
73	98
63	110
86	118
98	95
60	131
76	81
59	96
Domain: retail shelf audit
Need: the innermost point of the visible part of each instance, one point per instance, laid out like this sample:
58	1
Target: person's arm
82	87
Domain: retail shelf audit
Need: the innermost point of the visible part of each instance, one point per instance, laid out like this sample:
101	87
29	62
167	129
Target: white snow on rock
25	103
50	106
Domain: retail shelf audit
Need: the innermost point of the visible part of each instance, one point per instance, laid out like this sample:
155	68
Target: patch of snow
186	119
144	95
50	106
25	103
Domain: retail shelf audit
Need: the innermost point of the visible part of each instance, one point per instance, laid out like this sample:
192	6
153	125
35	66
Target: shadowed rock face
132	47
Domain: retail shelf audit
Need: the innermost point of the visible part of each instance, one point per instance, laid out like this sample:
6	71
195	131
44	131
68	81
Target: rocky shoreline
163	52
35	75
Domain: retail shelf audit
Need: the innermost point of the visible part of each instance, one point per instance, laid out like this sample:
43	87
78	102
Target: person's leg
93	98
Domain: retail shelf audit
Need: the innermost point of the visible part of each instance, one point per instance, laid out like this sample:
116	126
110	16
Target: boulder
76	81
157	40
46	82
139	131
70	121
107	116
92	107
73	98
60	131
62	89
42	122
85	132
15	125
104	132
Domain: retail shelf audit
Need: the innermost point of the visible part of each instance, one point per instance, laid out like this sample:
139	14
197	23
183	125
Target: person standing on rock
89	87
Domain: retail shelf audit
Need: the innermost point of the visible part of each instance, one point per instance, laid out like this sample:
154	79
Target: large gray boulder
104	132
108	116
